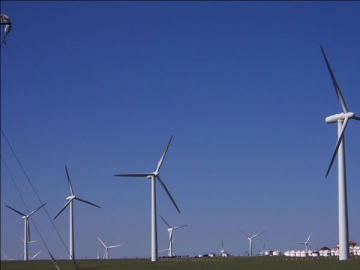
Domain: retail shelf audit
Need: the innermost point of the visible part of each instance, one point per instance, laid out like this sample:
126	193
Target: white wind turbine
106	254
250	240
154	176
342	120
26	239
171	239
70	203
307	242
222	251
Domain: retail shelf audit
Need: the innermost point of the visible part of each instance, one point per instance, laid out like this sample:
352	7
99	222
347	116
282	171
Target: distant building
324	252
315	254
303	253
276	253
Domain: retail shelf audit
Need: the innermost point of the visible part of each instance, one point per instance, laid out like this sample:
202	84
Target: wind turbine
250	240
307	242
170	230
342	120
222	247
26	228
69	202
106	254
154	176
262	253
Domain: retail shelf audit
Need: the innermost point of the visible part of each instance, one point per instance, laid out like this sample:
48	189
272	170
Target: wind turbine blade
84	201
307	241
102	242
16	211
69	182
114	246
36	255
134	174
28	240
63	208
170	235
337	89
33	241
35	210
165	222
163	155
257	234
356	117
168	193
244	233
337	144
178	227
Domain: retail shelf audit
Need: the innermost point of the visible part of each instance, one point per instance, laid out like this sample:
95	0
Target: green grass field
234	263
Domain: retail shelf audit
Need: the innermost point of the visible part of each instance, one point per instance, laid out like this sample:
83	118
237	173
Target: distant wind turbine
222	247
154	176
70	203
106	254
262	253
342	120
26	239
170	230
222	251
307	242
250	240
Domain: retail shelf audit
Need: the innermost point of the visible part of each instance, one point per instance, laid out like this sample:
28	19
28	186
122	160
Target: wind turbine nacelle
340	116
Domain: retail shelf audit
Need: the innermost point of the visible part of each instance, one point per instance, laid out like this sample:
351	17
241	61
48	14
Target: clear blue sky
243	86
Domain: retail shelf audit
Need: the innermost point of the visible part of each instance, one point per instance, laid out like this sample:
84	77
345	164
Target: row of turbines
341	119
69	203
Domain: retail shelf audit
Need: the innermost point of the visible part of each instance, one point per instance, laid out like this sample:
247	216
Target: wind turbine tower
342	120
69	203
250	240
170	230
26	229
153	176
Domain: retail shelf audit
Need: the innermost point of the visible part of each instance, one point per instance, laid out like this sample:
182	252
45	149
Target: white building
276	253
